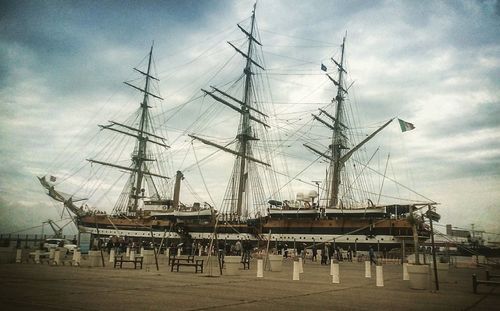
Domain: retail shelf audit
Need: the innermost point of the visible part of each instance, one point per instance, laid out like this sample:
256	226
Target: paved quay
44	287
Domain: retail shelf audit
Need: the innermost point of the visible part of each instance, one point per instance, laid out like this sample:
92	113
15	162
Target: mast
338	154
141	176
140	157
337	146
139	168
245	136
239	184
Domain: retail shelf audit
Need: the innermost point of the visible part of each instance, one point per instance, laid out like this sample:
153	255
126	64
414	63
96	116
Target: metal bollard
132	255
331	266
127	252
301	266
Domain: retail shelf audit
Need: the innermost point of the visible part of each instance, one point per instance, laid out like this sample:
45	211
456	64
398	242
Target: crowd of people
326	251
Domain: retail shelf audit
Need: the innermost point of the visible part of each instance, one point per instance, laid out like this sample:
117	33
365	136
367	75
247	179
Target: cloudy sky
433	63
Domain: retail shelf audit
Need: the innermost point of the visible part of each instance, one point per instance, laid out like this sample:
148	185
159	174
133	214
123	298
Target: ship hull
359	234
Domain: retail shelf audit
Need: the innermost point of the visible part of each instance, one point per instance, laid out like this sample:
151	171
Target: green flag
405	126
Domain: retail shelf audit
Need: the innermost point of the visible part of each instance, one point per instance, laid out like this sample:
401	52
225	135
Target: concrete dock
29	286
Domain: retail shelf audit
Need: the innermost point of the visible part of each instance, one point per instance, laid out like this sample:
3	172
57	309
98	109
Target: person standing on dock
324	254
237	248
372	255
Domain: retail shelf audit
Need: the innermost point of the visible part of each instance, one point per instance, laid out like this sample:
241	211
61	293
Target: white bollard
112	255
57	257
19	255
132	255
296	271
368	269
406	276
167	252
379	272
301	265
52	252
199	252
76	257
37	256
142	250
260	268
127	252
179	251
331	266
335	273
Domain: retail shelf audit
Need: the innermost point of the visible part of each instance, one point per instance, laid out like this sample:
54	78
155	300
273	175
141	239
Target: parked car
54	243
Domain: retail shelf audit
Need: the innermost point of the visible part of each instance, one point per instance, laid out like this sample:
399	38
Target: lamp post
433	216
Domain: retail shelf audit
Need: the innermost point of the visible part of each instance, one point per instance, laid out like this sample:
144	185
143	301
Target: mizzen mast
338	154
337	138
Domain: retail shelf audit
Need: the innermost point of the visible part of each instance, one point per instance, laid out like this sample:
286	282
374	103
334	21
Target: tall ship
253	208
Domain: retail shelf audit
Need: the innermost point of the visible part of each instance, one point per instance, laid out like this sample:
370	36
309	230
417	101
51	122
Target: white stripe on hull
299	238
130	233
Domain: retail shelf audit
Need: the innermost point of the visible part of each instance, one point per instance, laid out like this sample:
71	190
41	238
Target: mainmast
245	137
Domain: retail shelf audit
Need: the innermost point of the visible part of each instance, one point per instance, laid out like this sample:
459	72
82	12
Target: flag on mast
53	178
323	67
406	126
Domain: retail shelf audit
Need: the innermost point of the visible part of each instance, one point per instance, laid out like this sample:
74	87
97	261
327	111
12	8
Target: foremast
134	190
339	152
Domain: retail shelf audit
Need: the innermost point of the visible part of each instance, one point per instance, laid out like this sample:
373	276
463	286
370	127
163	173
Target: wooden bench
120	260
490	276
196	263
171	259
476	282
